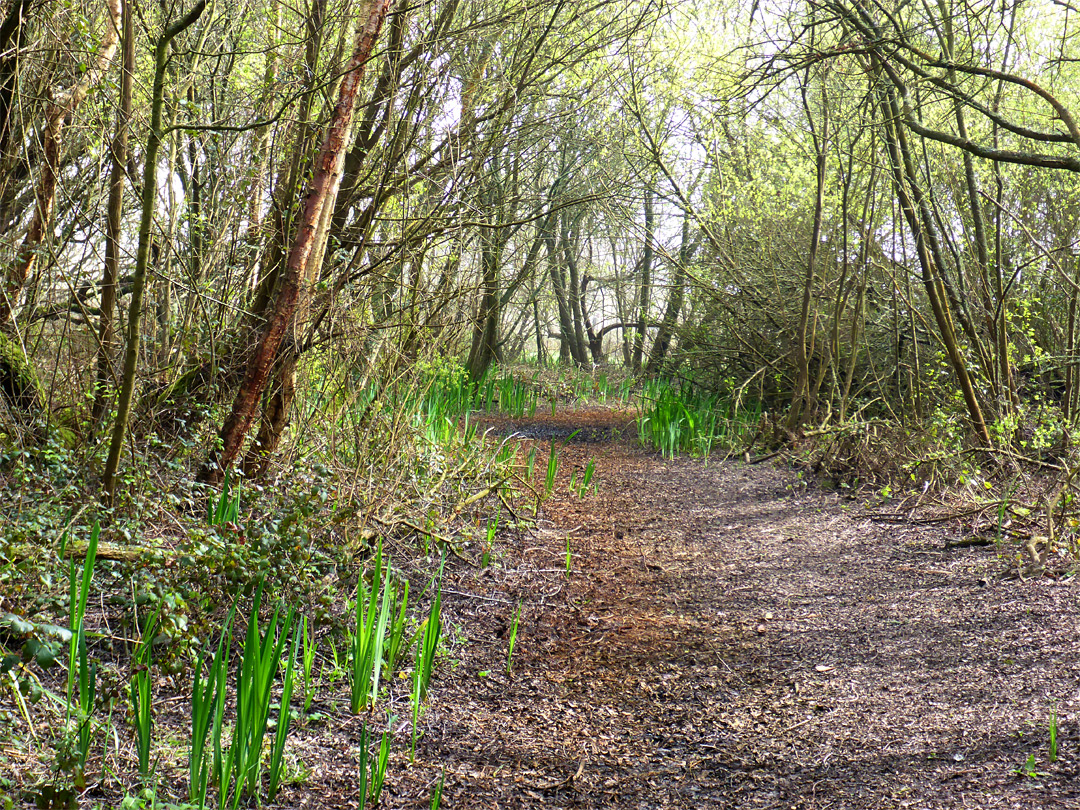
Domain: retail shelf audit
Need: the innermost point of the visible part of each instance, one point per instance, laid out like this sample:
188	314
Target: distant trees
869	214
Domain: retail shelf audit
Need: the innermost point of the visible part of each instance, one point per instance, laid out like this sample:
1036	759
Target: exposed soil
727	637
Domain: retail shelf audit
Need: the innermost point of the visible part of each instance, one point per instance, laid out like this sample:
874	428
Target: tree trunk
142	255
325	184
674	303
802	403
645	284
118	160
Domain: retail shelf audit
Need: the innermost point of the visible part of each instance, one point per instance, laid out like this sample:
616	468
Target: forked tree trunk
324	188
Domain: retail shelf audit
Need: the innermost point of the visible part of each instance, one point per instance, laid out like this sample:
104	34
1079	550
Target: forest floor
729	637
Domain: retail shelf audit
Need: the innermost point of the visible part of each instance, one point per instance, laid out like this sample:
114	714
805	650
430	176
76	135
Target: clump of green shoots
141	703
687	421
581	488
369	634
371	780
241	765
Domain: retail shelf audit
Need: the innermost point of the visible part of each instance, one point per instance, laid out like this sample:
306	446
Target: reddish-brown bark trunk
324	187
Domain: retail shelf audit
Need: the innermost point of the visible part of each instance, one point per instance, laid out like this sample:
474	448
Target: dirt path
729	639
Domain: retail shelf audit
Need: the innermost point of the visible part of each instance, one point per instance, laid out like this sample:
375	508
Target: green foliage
430	634
241	765
513	637
141	700
368	635
688	421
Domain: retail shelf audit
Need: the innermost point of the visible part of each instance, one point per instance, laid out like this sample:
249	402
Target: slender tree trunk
325	184
674	303
802	403
912	204
142	255
645	288
12	40
118	160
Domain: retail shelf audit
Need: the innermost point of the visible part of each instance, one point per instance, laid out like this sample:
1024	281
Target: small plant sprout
513	637
590	470
436	795
378	775
1053	753
489	541
552	471
530	464
569	558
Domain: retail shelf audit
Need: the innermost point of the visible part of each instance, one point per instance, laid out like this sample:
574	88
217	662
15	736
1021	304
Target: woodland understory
339	341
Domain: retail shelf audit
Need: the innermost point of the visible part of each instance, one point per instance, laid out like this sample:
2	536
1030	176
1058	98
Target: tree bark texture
324	188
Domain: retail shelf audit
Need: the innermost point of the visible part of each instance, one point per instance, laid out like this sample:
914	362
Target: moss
19	383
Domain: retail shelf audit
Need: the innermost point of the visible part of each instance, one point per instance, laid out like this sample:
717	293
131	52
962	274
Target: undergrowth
381	459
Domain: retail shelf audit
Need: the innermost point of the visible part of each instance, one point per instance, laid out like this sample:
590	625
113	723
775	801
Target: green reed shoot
141	699
362	782
227	508
82	673
1053	735
513	636
489	541
277	752
569	558
369	634
590	470
254	684
552	471
396	635
436	795
530	464
207	708
378	776
307	663
430	633
371	785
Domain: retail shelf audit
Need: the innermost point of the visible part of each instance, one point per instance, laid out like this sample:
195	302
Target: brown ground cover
727	637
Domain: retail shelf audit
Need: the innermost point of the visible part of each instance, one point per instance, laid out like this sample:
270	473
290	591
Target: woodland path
730	638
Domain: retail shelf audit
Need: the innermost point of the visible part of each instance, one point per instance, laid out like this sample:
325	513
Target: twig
478	596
